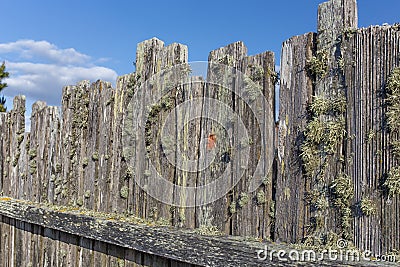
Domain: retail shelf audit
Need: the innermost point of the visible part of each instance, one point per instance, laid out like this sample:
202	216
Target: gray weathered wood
292	214
161	242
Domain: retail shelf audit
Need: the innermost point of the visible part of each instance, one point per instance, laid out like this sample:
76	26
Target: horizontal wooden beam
167	242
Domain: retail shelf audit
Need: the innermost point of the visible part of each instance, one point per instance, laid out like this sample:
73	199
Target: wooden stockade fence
329	170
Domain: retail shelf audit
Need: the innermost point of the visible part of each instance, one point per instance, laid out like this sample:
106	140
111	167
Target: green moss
343	192
334	133
395	146
129	173
367	206
267	180
208	230
317	66
370	135
261	198
243	199
72	152
272	210
316	198
338	105
310	157
32	154
16	158
343	189
319	105
341	63
393	100
256	73
79	202
124	192
20	138
392	182
32	166
232	207
95	156
85	162
328	106
87	194
315	130
27	144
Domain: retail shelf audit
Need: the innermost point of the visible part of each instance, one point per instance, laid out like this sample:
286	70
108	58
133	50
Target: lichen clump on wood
261	198
343	192
322	136
85	162
318	65
393	101
392	182
32	153
243	199
367	206
257	73
395	146
232	207
124	192
95	156
208	230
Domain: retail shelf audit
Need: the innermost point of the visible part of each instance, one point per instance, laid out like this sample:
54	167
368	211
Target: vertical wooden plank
3	148
252	219
100	251
187	130
102	175
37	151
296	89
19	246
86	252
216	214
334	17
43	150
16	135
370	57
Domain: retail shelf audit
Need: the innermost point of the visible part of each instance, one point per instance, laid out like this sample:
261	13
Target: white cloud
39	70
43	50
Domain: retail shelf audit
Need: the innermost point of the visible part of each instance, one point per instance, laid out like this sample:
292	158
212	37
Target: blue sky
48	44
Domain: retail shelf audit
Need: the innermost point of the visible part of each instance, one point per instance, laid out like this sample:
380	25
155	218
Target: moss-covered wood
60	233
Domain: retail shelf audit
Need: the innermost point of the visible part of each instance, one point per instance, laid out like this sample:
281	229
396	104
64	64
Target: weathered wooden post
292	215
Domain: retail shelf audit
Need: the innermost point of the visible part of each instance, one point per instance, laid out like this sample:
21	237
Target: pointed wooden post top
334	17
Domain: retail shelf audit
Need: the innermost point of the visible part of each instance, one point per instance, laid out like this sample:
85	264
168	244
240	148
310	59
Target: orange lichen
211	141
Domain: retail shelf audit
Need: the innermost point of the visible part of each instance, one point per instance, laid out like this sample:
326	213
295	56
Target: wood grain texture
296	90
370	55
77	156
83	237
